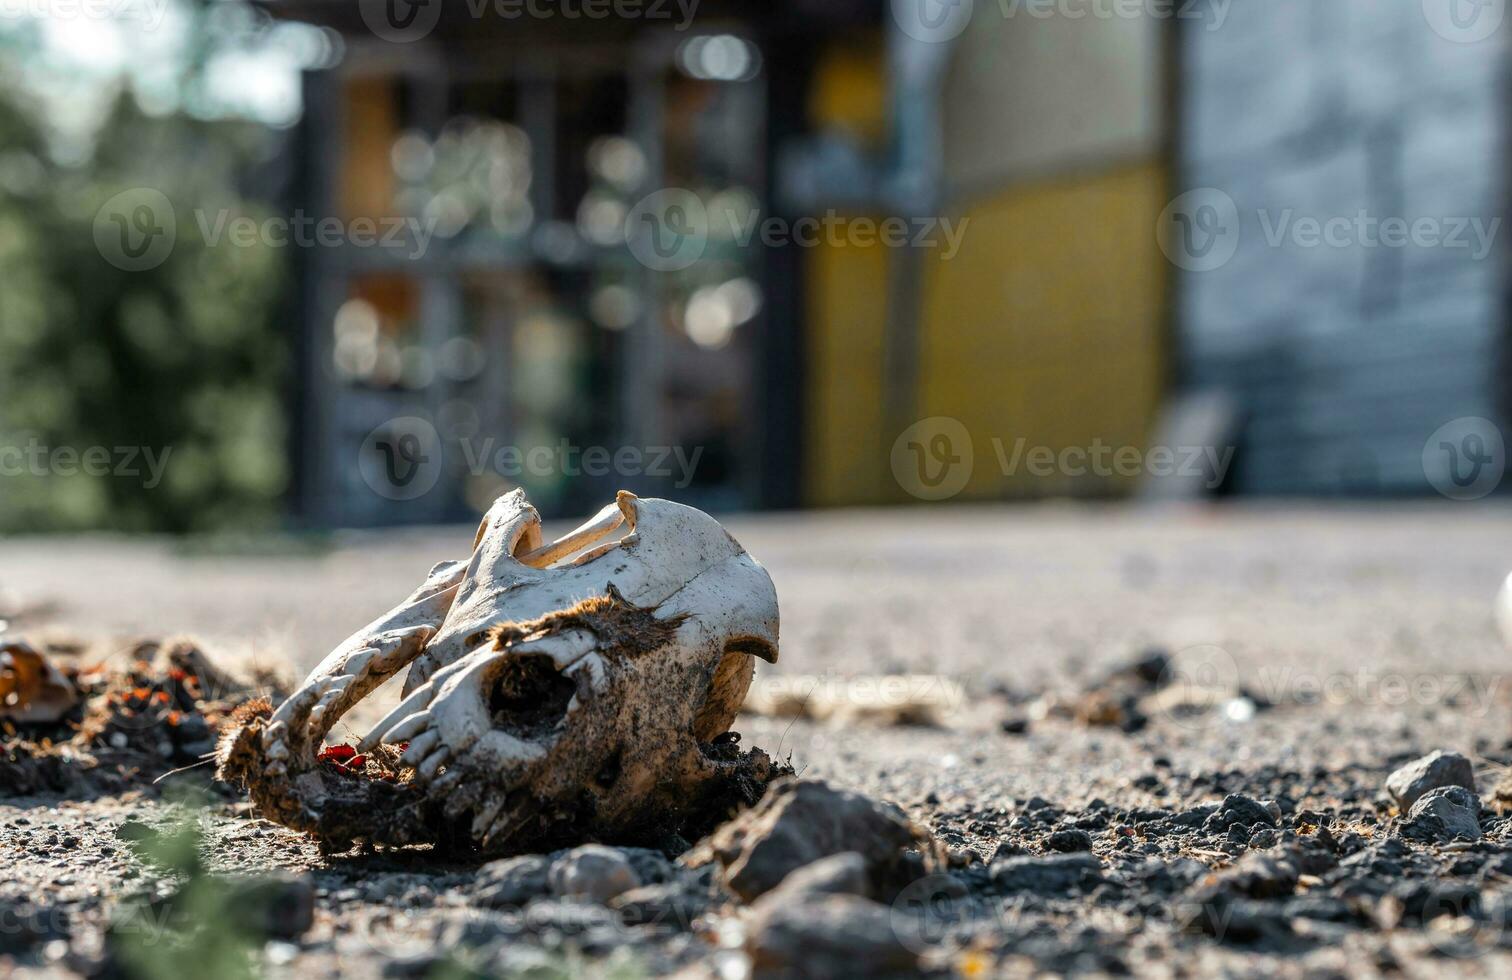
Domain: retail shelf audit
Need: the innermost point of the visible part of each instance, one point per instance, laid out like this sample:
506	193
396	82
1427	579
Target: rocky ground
1160	742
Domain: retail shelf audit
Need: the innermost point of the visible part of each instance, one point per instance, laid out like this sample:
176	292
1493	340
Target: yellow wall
844	458
1048	324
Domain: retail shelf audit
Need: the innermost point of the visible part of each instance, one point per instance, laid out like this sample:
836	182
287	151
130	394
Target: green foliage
184	358
203	929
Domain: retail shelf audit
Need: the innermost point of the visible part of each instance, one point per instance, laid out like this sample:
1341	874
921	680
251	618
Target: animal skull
553	692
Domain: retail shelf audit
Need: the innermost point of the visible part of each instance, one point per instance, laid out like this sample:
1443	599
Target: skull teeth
444	784
327	699
447	780
298	705
431	764
409	727
485	817
410	706
455	805
499	828
358	662
421	746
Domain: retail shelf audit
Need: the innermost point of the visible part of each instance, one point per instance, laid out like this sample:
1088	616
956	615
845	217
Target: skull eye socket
529	696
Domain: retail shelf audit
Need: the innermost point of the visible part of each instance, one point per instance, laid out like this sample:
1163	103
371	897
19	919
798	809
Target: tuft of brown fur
238	750
624	629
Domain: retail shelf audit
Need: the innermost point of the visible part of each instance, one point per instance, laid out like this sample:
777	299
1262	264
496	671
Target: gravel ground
1353	640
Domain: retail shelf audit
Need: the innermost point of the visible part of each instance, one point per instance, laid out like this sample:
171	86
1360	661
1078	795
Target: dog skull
553	692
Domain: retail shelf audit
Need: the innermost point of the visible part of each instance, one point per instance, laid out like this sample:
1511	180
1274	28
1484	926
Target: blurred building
1058	148
511	316
791	366
1343	359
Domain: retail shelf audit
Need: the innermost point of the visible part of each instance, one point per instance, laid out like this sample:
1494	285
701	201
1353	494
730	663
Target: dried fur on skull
555	694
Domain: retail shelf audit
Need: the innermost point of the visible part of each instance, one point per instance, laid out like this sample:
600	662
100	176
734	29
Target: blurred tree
184	358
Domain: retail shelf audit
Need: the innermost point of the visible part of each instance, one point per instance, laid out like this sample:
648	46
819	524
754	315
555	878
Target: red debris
343	757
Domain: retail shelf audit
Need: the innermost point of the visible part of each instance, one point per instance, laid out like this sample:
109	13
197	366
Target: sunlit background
1126	227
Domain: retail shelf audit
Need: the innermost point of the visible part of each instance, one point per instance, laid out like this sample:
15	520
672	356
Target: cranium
553	692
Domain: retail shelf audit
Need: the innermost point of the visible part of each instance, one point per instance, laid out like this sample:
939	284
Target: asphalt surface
1382	614
1362	635
1378	616
992	595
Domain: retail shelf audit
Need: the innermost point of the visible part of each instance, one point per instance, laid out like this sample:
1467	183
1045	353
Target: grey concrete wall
1039	86
1346	357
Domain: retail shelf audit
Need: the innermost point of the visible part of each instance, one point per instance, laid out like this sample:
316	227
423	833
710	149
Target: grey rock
512	882
838	874
593	873
798	822
1168	876
29	925
1053	874
1234	904
281	906
1195	816
670	903
1241	810
388	887
1256	875
569	918
474	930
1321	908
1230	919
1417	902
826	936
1443	814
651	867
1069	841
1408	784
